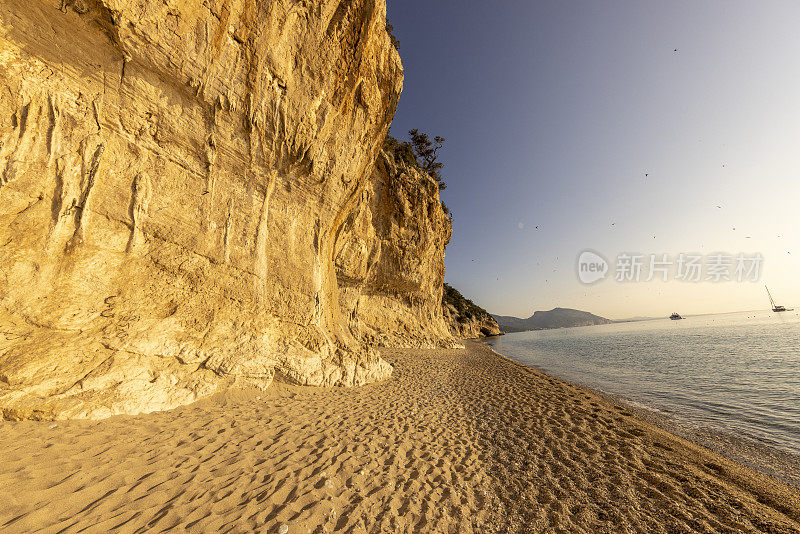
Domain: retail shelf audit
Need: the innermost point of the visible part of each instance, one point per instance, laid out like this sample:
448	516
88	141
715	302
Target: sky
636	127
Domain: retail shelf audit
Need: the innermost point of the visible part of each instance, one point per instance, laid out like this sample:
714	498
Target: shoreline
456	441
710	442
766	459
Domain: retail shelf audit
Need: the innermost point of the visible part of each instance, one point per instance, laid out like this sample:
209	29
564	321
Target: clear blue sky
555	111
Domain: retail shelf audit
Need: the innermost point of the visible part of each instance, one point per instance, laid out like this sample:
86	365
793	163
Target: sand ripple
455	442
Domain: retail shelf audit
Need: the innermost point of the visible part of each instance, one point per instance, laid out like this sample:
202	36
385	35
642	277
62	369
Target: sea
728	381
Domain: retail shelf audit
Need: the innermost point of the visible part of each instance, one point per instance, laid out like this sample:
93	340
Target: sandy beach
455	441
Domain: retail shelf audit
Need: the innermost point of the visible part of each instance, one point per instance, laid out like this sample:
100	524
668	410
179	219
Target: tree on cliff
420	153
401	150
427	154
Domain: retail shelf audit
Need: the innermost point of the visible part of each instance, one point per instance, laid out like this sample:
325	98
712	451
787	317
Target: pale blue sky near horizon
555	111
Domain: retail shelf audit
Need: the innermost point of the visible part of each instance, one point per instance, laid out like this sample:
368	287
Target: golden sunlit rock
190	199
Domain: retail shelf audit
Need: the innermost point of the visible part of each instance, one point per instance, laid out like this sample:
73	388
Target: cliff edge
466	319
193	195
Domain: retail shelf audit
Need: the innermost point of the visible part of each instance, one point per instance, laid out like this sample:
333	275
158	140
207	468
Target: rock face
390	262
466	319
189	198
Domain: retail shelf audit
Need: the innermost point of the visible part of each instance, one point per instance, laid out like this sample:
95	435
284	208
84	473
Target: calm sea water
735	373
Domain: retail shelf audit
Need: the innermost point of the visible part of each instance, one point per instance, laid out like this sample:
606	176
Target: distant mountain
555	318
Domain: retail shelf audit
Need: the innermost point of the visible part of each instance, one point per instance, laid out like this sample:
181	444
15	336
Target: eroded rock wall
176	181
390	260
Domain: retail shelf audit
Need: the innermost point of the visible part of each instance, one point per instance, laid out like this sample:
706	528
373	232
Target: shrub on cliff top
401	150
464	306
427	153
421	153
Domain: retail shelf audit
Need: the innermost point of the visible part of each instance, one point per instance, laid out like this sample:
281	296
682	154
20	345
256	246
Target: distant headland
555	318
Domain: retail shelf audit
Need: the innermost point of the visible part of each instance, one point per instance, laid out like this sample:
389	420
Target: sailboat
775	307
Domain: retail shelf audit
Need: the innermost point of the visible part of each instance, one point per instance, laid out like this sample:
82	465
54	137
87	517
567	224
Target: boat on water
676	317
775	307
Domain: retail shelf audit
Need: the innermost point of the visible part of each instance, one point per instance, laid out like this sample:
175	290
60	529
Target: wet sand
455	441
771	460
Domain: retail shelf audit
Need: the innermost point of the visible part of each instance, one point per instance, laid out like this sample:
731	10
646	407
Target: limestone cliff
390	264
466	319
189	198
